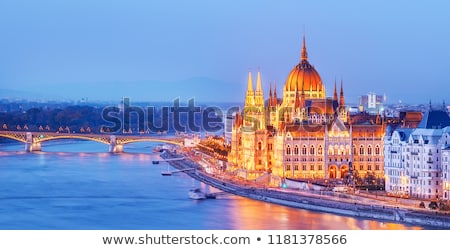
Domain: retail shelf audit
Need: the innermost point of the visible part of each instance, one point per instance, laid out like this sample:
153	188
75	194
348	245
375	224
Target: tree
433	205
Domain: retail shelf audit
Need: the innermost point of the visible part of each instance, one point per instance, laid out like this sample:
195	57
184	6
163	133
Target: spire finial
304	55
335	97
250	97
270	94
258	81
270	88
297	99
275	98
249	81
259	96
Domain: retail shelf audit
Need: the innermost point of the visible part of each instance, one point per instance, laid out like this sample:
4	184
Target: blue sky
160	50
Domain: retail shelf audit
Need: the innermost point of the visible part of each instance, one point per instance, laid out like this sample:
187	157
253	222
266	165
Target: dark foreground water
77	185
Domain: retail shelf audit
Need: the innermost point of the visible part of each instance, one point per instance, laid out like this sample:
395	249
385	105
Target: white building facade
446	173
417	162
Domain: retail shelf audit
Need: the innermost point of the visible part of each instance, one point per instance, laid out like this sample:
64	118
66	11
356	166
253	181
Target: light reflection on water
77	185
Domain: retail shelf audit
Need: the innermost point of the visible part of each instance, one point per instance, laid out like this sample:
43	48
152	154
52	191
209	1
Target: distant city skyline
159	50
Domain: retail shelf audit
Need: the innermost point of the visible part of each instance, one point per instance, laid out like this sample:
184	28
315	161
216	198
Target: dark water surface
78	185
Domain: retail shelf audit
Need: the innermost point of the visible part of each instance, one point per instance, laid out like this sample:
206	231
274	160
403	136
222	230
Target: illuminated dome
305	78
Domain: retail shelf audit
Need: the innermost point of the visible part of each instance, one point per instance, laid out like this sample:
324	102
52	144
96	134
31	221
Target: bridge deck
115	142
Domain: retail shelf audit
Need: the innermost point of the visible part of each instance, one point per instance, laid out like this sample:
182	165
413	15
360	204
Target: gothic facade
304	134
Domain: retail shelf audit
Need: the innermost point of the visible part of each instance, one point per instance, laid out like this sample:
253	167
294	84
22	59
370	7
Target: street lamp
376	189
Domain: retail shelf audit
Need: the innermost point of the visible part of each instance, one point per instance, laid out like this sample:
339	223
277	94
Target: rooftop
435	119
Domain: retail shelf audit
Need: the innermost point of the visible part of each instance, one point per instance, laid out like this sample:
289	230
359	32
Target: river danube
78	185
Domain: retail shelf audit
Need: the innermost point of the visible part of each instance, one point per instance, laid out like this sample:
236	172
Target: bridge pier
113	146
30	145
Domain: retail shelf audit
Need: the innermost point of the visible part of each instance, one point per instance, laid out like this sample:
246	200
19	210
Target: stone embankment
365	208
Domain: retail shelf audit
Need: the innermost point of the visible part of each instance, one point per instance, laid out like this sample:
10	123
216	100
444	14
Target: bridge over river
33	140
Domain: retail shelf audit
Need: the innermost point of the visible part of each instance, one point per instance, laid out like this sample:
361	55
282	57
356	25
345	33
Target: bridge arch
72	136
128	141
14	137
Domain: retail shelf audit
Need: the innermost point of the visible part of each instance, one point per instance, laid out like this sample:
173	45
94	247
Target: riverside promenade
329	202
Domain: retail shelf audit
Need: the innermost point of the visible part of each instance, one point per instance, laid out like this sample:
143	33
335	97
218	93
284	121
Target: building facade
417	159
446	173
304	134
372	103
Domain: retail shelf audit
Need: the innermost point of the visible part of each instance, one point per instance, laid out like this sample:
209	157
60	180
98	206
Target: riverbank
329	202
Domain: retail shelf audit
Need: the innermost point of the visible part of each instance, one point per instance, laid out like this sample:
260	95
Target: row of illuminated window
304	159
304	167
369	168
319	167
332	150
369	159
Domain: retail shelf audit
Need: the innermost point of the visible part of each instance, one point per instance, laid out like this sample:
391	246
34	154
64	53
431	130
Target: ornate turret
250	97
341	96
302	99
297	100
269	103
335	98
275	98
304	55
259	99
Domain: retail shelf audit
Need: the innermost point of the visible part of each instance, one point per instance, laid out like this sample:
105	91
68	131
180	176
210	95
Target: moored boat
166	173
197	194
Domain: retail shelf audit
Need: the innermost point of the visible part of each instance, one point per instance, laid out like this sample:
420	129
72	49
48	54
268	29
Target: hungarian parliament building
306	135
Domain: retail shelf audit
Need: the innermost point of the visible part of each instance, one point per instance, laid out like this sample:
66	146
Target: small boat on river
196	194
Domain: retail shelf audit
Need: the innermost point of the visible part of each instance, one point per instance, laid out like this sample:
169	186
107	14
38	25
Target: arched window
296	150
361	150
369	150
377	150
288	149
330	150
259	145
355	152
320	150
304	150
312	150
336	150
